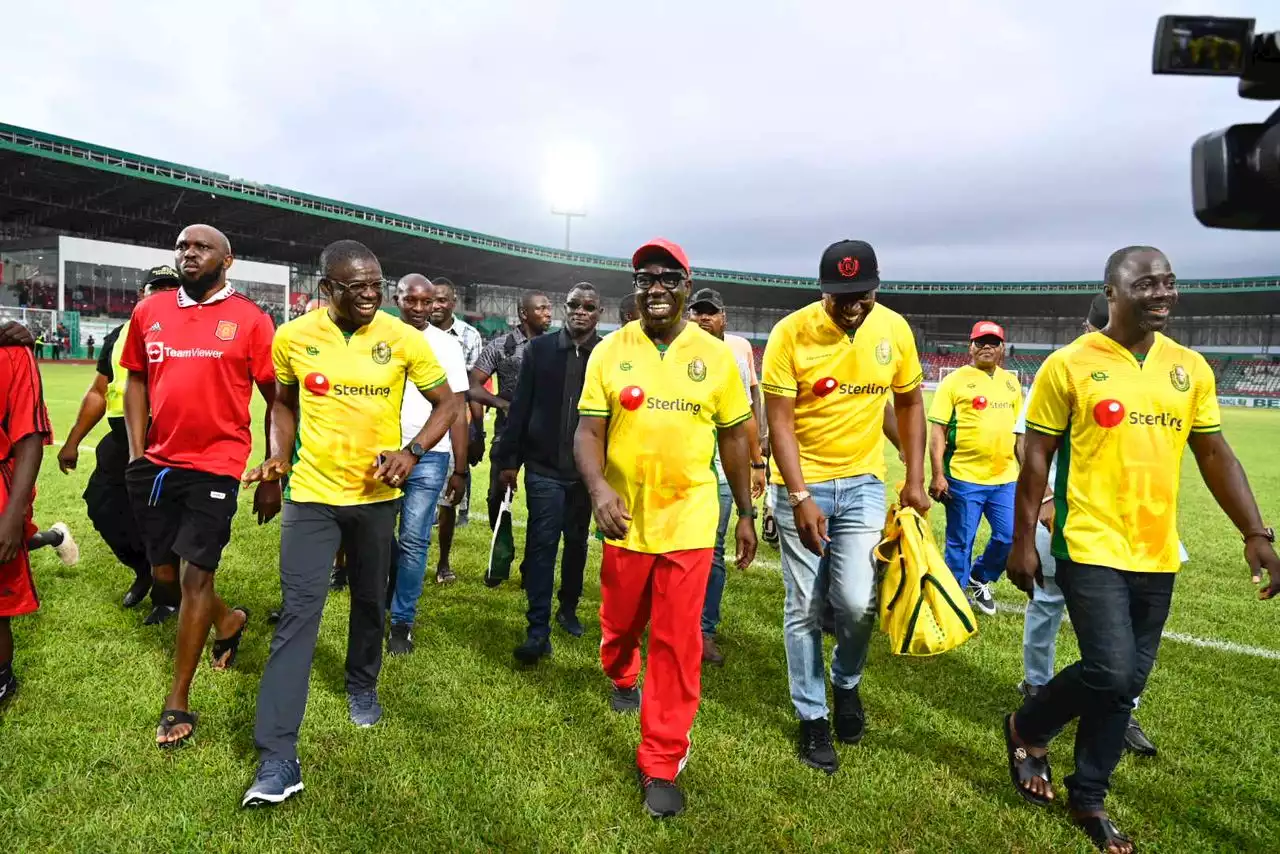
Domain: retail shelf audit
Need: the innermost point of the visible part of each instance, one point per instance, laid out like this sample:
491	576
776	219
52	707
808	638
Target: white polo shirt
416	409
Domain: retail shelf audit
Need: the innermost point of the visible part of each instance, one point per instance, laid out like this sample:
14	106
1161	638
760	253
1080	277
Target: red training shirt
23	407
202	361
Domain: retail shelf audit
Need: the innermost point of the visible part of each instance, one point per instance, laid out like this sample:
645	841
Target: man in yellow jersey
1118	406
105	497
829	369
659	396
974	467
335	431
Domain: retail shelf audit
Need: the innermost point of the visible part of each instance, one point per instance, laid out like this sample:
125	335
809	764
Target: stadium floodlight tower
570	181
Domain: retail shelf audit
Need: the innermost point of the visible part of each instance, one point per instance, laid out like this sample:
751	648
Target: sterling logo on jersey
980	403
826	385
1111	413
318	383
157	353
633	397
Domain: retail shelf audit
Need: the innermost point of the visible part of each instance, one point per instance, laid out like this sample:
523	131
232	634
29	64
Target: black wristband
759	466
461	473
749	513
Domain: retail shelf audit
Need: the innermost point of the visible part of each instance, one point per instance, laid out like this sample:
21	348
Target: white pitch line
1191	640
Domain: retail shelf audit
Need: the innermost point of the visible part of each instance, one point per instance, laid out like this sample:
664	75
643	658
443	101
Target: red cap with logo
983	328
661	244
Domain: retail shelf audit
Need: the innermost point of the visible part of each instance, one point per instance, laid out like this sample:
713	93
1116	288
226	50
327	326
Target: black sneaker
568	620
816	749
400	639
982	597
276	780
711	653
1136	741
662	798
137	591
532	650
625	699
338	578
159	614
8	687
851	720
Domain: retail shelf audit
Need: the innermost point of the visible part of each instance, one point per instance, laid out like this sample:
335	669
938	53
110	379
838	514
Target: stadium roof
68	186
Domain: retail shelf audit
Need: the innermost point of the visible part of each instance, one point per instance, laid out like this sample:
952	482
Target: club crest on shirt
697	370
382	352
1178	376
884	351
226	330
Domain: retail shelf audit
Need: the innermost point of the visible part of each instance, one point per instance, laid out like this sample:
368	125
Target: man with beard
106	497
193	357
335	433
829	369
432	475
453	511
974	466
1119	406
539	436
658	397
502	356
707	310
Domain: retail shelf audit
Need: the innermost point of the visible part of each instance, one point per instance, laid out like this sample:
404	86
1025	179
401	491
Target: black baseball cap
848	267
707	296
163	273
1099	312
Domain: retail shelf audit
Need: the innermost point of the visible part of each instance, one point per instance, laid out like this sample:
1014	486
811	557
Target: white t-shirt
416	409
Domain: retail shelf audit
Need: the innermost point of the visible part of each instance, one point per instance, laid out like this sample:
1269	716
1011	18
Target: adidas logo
155	327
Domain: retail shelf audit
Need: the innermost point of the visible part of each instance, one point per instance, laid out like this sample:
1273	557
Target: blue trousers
968	503
417	510
715	581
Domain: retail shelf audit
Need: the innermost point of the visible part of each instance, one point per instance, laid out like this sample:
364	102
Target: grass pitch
476	754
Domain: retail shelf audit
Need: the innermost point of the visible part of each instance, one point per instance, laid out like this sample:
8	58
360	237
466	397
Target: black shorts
182	513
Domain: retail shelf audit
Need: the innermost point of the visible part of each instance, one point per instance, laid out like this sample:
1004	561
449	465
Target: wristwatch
1268	534
749	513
795	499
416	449
759	466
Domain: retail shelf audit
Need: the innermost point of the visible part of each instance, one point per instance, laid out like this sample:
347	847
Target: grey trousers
310	535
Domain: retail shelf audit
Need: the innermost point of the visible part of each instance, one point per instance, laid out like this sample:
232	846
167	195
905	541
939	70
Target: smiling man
194	355
1119	407
659	395
971	446
539	438
829	369
335	432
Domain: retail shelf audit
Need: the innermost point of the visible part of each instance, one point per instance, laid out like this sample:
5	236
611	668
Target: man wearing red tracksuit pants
658	395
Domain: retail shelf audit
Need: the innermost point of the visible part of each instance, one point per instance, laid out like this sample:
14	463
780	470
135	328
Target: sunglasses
576	305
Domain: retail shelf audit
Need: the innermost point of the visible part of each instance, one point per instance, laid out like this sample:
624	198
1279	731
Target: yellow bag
922	608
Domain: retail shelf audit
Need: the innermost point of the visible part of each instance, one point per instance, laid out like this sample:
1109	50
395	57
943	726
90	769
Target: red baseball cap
661	244
986	327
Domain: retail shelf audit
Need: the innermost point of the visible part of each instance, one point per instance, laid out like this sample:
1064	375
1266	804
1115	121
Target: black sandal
1102	831
171	718
231	644
1023	767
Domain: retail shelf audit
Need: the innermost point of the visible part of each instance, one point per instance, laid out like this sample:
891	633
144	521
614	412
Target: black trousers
106	500
309	538
557	509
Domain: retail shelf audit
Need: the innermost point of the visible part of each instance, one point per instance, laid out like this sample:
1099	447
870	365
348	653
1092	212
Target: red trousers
664	592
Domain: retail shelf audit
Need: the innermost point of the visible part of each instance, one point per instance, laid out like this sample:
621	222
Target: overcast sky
971	139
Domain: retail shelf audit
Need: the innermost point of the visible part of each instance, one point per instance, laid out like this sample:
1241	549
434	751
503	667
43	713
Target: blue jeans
556	508
1118	618
715	581
967	505
421	494
855	511
1044	616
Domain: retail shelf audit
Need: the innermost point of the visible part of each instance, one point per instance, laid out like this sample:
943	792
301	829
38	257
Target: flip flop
231	644
1102	831
1023	767
171	718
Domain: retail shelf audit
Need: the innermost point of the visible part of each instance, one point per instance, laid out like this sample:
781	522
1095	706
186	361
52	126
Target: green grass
475	754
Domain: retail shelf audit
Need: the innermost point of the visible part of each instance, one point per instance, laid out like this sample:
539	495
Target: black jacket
544	411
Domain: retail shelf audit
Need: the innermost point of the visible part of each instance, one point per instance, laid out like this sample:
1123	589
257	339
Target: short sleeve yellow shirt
349	397
664	411
1124	424
840	385
979	411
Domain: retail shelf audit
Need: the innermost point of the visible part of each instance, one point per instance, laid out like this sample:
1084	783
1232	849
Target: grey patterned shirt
469	337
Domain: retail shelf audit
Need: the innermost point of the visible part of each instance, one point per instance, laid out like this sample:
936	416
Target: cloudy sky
966	139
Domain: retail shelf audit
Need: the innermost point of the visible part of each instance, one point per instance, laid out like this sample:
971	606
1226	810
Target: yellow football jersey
351	388
979	411
840	384
1124	424
664	411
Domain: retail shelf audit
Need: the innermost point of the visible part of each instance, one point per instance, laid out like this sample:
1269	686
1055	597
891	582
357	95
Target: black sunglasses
575	305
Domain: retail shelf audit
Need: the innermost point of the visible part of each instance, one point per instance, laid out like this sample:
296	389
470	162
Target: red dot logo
631	397
317	383
825	386
1108	413
979	403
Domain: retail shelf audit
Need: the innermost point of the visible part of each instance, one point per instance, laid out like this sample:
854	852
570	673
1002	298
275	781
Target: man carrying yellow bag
922	608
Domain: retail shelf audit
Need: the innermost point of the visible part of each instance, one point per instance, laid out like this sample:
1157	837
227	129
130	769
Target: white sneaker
982	599
68	552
